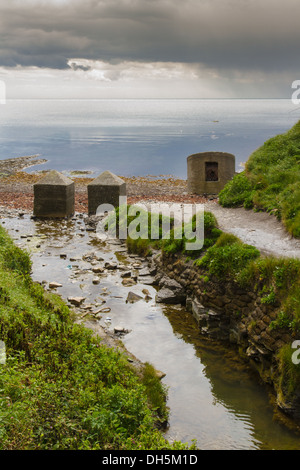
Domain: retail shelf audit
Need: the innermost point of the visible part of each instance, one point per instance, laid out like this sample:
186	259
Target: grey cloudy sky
149	48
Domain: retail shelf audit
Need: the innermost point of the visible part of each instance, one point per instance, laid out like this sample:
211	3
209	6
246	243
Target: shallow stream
213	397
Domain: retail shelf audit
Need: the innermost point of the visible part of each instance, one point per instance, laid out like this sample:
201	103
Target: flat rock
120	330
98	269
144	272
111	265
54	285
132	297
126	274
76	300
169	283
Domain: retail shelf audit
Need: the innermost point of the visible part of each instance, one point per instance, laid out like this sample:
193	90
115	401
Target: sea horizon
135	136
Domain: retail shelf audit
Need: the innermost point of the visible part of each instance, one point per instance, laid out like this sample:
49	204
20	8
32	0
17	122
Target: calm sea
138	137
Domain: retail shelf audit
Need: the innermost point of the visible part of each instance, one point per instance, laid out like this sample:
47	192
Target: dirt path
259	229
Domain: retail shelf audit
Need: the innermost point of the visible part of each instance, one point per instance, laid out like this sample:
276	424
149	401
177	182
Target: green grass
227	257
177	241
169	237
60	387
271	180
275	280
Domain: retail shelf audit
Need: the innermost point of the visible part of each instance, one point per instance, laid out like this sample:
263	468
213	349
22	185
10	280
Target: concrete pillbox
105	189
54	196
208	172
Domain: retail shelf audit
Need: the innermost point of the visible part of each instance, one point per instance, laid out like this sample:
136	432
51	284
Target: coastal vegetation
270	181
60	386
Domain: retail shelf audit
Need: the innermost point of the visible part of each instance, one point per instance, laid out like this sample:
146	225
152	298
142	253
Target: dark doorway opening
211	171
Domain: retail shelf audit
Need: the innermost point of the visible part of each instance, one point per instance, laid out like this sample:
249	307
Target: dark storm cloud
225	34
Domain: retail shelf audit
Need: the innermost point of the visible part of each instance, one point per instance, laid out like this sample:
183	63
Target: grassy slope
60	388
271	180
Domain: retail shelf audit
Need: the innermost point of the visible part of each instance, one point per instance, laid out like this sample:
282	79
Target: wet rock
54	285
88	256
148	280
171	291
126	274
137	266
76	300
111	265
144	272
152	270
98	269
168	296
75	258
119	330
128	281
132	297
159	374
169	283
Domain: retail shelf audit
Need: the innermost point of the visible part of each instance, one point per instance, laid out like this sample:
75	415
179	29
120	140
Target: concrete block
105	189
54	196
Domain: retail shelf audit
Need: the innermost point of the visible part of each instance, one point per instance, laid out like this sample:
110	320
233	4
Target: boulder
171	292
168	296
